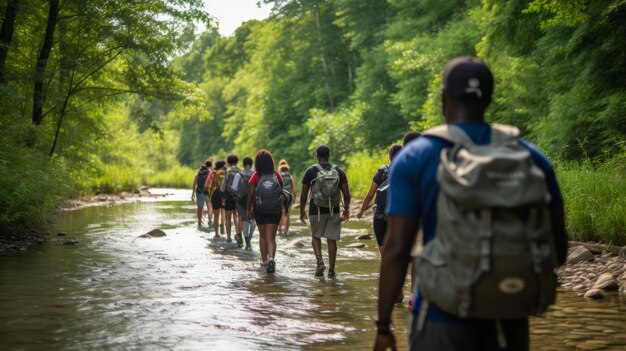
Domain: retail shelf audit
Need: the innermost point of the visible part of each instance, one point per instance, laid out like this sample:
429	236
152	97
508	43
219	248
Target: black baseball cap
468	78
323	151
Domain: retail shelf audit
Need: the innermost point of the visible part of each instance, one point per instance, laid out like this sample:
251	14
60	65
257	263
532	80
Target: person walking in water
379	188
327	182
265	205
207	196
493	226
214	185
247	226
291	192
228	198
198	191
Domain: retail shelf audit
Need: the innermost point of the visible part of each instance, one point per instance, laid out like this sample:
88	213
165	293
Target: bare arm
346	201
368	199
193	187
400	235
208	183
304	196
251	193
294	186
559	233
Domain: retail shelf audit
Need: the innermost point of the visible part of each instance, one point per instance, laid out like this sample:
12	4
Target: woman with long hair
265	205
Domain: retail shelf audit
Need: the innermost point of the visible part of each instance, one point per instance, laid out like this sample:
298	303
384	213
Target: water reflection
190	291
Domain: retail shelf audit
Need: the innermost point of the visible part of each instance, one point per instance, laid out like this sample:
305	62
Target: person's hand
193	197
360	214
249	215
385	342
303	217
346	215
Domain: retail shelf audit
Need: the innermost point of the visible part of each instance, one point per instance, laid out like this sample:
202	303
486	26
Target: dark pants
380	227
469	336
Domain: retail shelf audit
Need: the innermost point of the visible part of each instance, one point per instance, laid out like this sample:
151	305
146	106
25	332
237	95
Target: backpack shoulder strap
450	133
319	167
502	133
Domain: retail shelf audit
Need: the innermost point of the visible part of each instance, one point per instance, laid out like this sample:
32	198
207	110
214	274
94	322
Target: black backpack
244	179
269	195
381	193
201	178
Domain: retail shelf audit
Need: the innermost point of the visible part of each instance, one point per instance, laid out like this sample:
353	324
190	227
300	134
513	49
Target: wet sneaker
222	230
239	240
271	265
248	247
319	272
331	273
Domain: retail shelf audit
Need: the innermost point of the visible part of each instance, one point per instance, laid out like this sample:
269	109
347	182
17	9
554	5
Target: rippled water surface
189	291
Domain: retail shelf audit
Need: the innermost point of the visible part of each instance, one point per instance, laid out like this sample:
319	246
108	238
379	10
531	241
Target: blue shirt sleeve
404	195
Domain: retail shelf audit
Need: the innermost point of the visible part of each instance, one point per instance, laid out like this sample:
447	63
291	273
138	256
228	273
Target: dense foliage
131	94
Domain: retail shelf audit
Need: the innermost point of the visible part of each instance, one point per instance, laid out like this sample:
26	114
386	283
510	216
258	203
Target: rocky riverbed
594	270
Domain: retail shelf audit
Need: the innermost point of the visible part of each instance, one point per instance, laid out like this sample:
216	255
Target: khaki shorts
325	226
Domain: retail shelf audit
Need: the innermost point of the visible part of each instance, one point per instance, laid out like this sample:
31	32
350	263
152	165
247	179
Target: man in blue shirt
466	92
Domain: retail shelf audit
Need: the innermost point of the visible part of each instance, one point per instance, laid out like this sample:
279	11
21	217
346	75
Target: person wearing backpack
242	181
214	185
493	220
265	205
327	182
198	188
290	191
228	189
207	197
379	188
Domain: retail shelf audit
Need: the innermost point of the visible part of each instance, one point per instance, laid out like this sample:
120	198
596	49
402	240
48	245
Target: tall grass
595	201
176	177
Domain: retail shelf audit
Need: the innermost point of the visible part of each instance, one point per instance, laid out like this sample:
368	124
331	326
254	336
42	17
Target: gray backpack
493	255
268	197
325	188
286	181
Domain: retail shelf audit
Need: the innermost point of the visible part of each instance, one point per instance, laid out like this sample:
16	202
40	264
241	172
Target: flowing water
188	291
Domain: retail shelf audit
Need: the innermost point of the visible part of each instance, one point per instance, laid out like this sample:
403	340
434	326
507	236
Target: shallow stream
188	291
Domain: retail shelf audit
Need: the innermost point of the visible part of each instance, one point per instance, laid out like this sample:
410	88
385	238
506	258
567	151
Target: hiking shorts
201	199
325	226
478	335
266	218
229	203
216	200
380	227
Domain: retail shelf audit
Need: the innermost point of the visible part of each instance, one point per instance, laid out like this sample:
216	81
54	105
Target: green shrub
31	187
595	201
361	167
176	177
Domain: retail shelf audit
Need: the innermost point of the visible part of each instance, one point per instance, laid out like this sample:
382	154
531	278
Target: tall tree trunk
42	61
331	102
6	34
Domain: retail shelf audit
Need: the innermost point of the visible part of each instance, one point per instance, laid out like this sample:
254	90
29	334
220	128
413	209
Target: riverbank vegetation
131	95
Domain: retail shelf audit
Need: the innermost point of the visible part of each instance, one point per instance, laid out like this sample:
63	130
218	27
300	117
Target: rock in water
594	294
364	237
356	245
155	233
298	243
579	254
606	282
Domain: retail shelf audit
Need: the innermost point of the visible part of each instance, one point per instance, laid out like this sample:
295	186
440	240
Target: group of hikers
484	205
263	197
